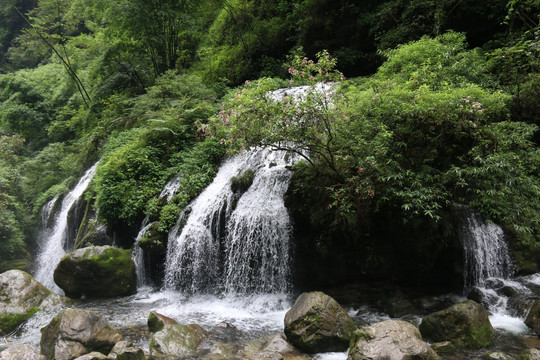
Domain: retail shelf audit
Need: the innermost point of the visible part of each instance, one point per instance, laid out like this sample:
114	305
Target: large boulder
465	324
317	323
533	318
21	352
21	296
97	271
390	340
180	341
75	332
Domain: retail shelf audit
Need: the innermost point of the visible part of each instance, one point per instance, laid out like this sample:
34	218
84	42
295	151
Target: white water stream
230	242
489	269
53	247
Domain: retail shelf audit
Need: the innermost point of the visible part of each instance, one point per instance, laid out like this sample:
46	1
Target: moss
479	337
242	182
10	322
154	323
360	334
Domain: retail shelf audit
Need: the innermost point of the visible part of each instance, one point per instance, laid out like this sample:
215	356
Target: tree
163	28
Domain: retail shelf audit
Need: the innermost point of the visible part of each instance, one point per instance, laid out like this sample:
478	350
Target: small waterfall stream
138	254
486	252
235	242
489	269
54	241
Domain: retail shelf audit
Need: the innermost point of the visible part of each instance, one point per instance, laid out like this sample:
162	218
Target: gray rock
97	271
278	344
533	318
93	356
75	332
465	324
390	340
21	296
531	354
317	323
124	350
21	352
177	340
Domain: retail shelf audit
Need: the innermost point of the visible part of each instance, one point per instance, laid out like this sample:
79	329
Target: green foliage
436	62
138	162
397	139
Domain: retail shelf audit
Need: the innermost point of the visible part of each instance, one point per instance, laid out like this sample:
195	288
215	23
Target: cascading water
54	240
231	242
138	254
486	252
488	270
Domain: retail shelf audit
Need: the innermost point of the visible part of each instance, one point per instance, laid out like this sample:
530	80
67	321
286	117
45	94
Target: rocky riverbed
244	327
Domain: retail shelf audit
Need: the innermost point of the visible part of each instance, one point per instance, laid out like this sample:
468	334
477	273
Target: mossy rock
177	340
317	323
533	318
157	321
465	324
97	271
21	296
242	182
10	322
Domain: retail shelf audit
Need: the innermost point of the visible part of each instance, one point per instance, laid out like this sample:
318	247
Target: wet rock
278	347
477	295
497	356
75	332
97	271
21	352
157	321
533	318
221	351
398	306
444	348
278	344
222	340
390	339
21	296
124	350
427	304
465	324
317	323
93	356
530	354
177	340
224	332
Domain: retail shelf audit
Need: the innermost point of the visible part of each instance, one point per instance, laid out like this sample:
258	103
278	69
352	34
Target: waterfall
485	250
54	240
488	271
138	254
231	241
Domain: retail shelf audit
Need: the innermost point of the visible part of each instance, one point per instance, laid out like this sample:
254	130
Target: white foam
509	323
331	356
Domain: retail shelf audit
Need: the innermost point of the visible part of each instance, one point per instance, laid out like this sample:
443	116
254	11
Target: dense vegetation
438	110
